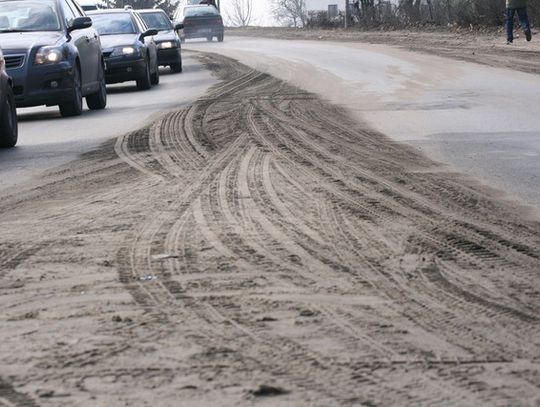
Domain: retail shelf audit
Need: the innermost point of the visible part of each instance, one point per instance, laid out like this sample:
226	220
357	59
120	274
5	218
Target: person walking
519	7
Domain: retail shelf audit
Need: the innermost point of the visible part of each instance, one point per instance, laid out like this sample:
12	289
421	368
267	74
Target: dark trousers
523	19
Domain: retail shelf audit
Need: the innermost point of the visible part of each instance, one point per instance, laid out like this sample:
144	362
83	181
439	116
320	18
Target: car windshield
113	23
200	11
157	21
28	15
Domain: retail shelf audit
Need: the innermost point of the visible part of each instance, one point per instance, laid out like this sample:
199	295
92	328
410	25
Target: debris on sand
268	391
148	278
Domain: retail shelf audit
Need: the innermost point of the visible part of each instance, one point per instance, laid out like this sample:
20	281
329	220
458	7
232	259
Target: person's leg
524	20
510	24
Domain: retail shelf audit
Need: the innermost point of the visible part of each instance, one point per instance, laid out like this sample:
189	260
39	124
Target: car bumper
42	85
169	56
120	69
203	32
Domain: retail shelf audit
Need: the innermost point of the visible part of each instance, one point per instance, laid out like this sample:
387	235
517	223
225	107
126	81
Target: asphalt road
482	121
47	140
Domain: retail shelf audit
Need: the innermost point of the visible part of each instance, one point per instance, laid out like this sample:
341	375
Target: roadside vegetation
367	14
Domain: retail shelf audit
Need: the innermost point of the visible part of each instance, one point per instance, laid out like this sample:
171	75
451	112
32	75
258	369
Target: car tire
98	100
74	107
209	39
220	38
177	68
145	82
8	126
155	77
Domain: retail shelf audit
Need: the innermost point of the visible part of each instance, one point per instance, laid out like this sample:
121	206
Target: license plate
205	30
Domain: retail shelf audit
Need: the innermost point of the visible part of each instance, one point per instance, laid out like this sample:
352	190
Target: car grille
14	61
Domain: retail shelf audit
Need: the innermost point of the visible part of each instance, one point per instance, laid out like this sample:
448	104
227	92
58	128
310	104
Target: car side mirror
79	23
179	27
149	33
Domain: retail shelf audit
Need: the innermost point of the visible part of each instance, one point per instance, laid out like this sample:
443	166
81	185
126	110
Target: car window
30	15
158	21
69	15
200	11
113	23
140	22
77	9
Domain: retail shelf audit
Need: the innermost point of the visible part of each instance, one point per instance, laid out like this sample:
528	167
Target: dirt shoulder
487	48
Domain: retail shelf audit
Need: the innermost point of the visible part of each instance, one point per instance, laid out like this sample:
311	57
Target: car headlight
49	55
125	51
166	45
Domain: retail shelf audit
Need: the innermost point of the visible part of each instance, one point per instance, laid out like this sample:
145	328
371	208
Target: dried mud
261	245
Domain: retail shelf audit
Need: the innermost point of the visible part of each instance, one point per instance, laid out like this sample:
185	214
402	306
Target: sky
262	14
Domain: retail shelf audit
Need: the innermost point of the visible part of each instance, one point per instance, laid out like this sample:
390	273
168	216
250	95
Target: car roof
112	11
151	10
199	6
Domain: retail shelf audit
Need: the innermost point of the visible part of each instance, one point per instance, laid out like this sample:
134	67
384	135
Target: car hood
119	40
169	35
18	41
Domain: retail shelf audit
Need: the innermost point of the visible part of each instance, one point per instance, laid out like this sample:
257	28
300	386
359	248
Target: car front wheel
98	100
74	106
8	126
177	68
145	82
155	77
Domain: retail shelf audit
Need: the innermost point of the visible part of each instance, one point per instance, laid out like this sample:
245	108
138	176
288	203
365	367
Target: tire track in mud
286	194
297	248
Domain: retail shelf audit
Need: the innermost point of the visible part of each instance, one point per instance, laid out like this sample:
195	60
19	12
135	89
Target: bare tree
290	12
240	12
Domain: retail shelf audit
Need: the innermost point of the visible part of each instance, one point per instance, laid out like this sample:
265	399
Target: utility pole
347	15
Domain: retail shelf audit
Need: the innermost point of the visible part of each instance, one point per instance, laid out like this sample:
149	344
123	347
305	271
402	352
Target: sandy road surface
480	120
262	248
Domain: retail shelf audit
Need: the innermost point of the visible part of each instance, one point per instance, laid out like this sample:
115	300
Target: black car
8	111
52	54
128	47
167	40
203	21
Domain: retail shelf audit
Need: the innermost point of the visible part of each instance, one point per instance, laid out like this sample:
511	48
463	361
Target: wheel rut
263	237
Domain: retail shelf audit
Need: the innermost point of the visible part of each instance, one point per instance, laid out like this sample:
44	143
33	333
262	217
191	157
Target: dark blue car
129	48
8	112
52	54
169	47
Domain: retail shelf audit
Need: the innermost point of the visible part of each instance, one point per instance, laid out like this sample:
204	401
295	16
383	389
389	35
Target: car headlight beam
166	45
125	51
48	56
